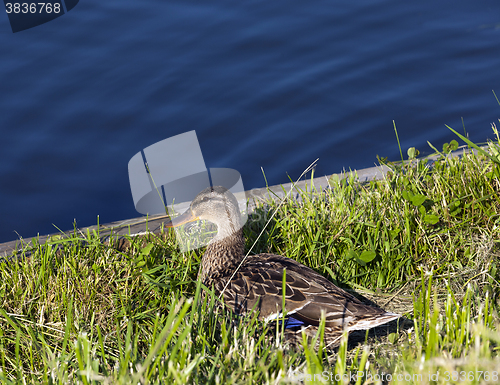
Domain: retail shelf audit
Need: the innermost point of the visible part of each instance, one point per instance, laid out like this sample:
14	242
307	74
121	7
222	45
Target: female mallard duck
255	282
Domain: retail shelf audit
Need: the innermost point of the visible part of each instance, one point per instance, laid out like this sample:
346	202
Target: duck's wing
258	285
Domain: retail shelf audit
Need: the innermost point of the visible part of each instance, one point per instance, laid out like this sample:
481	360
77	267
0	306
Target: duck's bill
187	217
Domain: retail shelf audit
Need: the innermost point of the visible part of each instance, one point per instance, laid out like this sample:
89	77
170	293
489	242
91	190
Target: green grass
423	242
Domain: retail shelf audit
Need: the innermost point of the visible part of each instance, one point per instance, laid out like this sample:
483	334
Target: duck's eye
205	199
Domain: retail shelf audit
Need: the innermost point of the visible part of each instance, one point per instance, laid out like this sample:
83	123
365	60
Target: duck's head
216	205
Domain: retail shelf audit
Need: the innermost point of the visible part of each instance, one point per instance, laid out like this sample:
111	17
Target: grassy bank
423	242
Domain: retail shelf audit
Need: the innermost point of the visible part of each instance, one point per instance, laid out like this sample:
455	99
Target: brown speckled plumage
222	257
257	282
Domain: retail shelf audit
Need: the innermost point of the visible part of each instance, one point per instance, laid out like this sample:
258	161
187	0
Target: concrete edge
247	200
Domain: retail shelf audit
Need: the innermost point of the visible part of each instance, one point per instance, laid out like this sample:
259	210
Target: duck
254	283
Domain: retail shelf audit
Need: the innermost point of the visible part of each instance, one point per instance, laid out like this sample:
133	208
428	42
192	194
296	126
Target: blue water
271	84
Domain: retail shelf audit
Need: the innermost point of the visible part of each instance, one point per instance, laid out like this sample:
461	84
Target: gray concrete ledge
247	201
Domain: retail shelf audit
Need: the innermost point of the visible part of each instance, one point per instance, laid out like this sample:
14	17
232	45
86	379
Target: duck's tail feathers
373	321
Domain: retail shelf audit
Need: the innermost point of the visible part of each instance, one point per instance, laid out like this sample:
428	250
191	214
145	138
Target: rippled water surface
271	84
